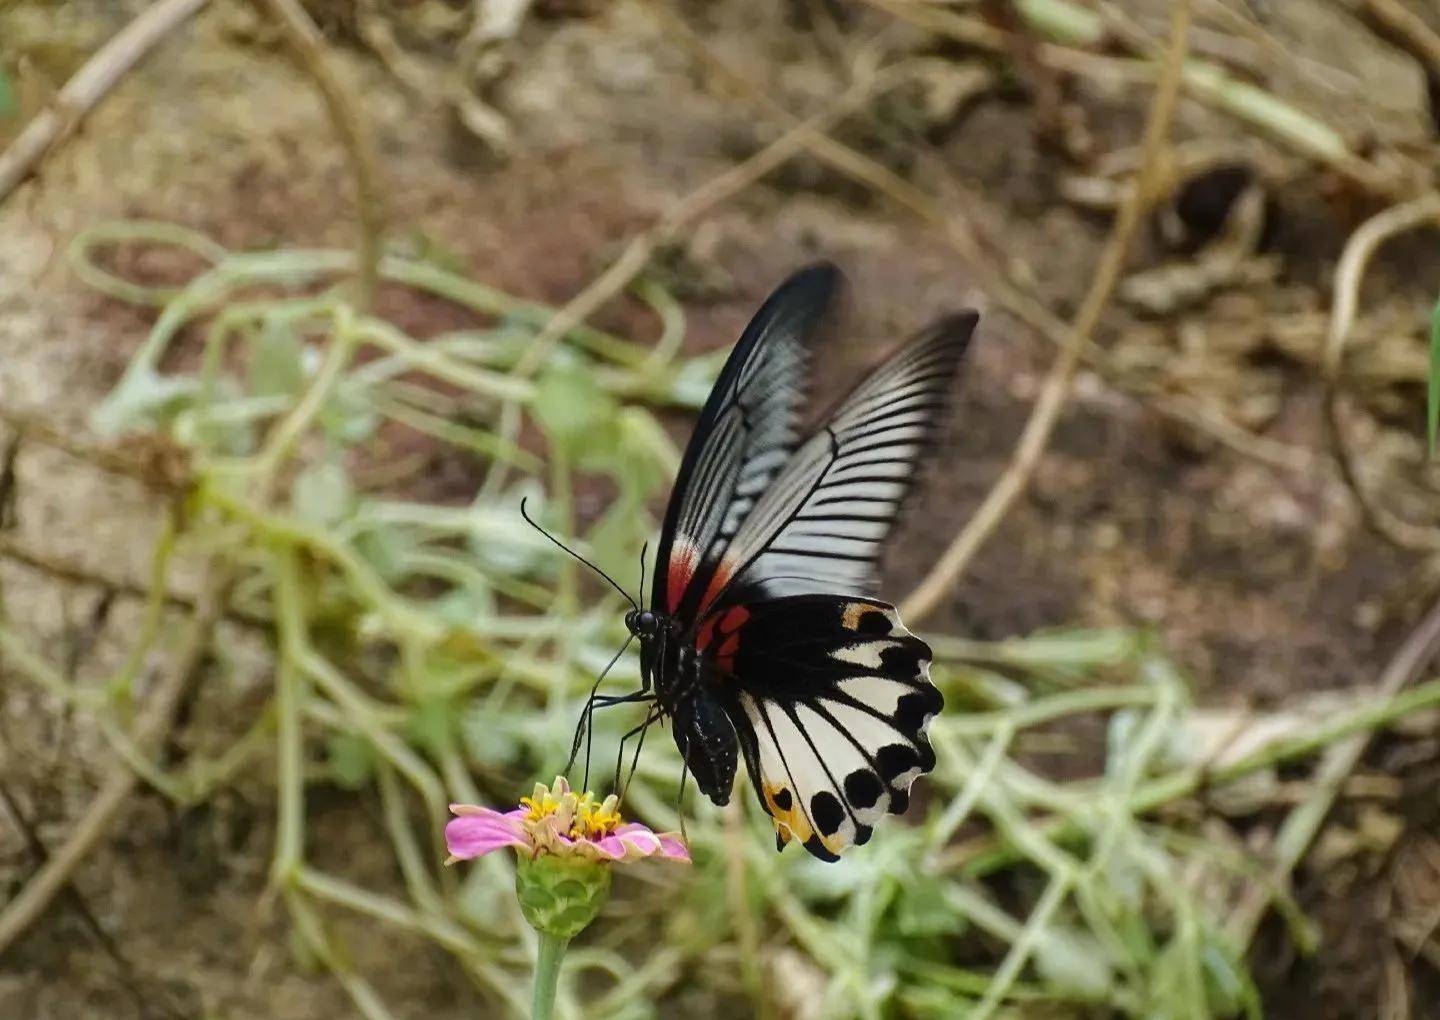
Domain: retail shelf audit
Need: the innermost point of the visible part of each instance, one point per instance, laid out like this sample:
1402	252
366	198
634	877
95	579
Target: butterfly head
642	623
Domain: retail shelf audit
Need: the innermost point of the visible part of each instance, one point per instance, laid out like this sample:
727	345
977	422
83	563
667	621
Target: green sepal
558	895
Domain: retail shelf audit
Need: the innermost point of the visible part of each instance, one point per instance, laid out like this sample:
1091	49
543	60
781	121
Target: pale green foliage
458	645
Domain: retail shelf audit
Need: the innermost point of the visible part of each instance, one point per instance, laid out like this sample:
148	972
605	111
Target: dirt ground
1262	581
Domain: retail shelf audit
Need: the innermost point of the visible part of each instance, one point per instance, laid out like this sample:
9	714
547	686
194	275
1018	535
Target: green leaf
1072	960
572	408
694	380
922	910
277	361
385	548
493	739
431	725
322	494
1432	408
464	604
501	540
144	400
347	416
351	761
1077	650
640	471
615	539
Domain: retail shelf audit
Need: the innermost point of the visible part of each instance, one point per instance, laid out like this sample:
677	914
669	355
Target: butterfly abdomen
704	735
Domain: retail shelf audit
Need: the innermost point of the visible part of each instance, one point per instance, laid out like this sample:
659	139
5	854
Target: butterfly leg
585	729
640	731
586	716
680	798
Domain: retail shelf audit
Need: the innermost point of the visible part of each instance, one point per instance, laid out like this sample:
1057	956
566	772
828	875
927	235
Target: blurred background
297	303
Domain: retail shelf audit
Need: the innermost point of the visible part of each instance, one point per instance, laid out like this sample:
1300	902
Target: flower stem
547	973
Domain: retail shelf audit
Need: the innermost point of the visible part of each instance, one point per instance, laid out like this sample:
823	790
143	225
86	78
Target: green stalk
550	952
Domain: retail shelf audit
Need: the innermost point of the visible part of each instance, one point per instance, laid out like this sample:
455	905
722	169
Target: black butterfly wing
830	697
819	526
746	433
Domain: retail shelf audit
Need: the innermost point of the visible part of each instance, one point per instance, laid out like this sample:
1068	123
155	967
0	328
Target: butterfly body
686	685
763	642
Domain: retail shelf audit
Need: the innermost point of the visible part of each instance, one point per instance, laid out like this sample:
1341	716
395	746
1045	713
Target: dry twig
713	192
88	86
928	593
155	463
354	132
1013	297
150	729
1403	29
1207	82
1300	827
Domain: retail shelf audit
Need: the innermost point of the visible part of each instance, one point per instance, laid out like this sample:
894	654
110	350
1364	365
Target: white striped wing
745	435
819	526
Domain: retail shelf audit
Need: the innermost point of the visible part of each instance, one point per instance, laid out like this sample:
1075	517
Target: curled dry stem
1349	276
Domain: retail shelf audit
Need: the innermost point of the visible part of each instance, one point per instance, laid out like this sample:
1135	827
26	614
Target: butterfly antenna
643	550
531	521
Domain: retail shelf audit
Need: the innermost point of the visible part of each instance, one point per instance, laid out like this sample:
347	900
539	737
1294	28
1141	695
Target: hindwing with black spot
830	697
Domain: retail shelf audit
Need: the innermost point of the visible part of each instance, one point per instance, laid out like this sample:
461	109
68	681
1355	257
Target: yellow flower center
581	816
538	808
595	821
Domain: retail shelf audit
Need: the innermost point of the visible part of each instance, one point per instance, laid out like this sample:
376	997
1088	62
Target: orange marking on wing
723	572
790	823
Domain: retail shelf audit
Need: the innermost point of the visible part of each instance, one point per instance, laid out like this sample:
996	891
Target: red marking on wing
727	626
681	569
706	633
734	618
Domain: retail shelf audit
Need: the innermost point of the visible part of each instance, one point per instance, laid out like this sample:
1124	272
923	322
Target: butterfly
762	641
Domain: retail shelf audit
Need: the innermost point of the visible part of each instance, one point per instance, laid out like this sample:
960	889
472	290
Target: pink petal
473	835
485	812
640	838
673	848
611	848
630	828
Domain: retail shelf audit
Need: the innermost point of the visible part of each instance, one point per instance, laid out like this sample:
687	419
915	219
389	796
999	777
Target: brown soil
1261	582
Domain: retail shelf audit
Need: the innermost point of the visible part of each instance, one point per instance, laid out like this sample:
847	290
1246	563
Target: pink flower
557	821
